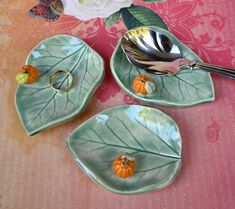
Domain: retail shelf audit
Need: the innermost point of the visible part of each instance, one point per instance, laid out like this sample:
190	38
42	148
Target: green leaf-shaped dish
38	105
186	88
148	135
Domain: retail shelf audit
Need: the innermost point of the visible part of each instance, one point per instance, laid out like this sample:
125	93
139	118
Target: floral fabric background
38	172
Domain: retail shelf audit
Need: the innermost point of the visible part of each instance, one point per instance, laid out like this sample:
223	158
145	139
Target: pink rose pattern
202	31
213	131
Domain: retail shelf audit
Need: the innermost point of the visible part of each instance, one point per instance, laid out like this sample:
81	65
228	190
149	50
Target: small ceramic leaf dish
39	105
186	88
147	135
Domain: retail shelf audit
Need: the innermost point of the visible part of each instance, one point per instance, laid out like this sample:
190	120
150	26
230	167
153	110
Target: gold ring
58	84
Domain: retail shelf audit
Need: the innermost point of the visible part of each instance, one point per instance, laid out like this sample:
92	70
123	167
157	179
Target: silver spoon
155	53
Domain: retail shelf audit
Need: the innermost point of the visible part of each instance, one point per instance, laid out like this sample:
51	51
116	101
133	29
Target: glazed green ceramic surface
148	135
38	105
186	88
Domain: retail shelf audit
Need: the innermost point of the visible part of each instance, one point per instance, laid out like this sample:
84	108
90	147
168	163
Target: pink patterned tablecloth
39	173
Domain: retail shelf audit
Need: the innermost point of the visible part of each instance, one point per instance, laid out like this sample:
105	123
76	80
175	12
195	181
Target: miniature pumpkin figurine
143	84
27	75
124	166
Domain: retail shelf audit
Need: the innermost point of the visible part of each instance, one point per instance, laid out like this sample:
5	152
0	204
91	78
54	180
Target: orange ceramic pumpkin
27	75
143	84
124	166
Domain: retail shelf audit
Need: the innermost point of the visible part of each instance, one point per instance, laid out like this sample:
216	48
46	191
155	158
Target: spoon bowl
157	54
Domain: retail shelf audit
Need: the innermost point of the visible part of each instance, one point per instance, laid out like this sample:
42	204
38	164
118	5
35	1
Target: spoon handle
226	72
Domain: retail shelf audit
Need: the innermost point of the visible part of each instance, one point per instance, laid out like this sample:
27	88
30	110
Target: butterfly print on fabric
49	10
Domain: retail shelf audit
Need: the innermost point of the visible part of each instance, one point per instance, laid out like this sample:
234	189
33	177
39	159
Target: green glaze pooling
144	133
186	88
38	105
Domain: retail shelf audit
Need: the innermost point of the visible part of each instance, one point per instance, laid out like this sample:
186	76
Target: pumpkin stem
26	71
124	160
143	80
